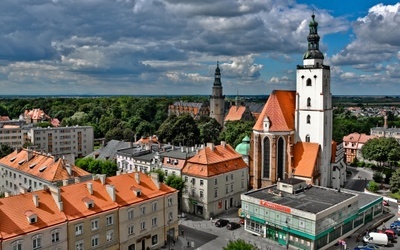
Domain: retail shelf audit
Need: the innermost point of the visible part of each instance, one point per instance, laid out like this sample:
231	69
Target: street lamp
288	231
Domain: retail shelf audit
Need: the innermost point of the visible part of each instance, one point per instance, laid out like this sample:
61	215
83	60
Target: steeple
217	78
313	41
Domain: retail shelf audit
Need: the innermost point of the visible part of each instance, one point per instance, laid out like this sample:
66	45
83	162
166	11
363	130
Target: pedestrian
188	243
173	242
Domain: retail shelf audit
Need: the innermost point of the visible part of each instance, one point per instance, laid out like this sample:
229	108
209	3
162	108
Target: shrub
373	186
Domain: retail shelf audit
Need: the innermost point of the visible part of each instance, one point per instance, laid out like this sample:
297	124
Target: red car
385	203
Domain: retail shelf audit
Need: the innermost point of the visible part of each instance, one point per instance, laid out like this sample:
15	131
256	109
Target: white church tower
313	115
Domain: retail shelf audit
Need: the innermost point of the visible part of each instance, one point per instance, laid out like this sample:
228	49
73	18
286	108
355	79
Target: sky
171	47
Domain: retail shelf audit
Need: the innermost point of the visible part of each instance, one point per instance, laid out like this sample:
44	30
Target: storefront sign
275	206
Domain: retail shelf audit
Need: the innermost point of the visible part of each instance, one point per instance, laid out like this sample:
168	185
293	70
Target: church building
217	99
293	134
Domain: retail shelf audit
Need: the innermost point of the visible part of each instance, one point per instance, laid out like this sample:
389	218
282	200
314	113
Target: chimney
137	178
89	186
65	182
35	198
68	168
77	180
154	178
111	191
30	154
55	193
223	144
102	178
210	145
118	172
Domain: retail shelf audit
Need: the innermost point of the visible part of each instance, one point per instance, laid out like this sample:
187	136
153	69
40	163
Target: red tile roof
4	118
41	165
15	209
305	158
235	113
125	183
210	162
279	109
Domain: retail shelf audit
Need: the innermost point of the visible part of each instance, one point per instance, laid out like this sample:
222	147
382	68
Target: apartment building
13	136
76	140
129	211
214	180
32	221
26	170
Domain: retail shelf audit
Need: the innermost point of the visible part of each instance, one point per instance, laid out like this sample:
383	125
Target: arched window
308	102
266	160
307	138
308	82
308	119
281	158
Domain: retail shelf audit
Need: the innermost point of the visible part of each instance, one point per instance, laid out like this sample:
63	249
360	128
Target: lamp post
288	231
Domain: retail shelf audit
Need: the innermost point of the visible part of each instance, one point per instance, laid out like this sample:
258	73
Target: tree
209	129
175	182
96	166
160	173
235	131
382	150
239	244
395	182
5	150
373	186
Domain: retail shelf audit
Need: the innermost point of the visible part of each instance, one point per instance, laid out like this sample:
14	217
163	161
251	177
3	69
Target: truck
376	238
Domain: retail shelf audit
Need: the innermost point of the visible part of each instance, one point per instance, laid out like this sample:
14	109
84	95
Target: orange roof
170	164
146	140
305	158
235	113
4	118
36	114
15	209
279	109
74	197
41	165
125	183
209	162
11	126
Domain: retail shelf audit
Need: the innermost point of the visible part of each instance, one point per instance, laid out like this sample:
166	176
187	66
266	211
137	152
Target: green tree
395	182
175	182
382	150
96	166
209	129
5	150
235	131
239	244
378	177
160	173
373	186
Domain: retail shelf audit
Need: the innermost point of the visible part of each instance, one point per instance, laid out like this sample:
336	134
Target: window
193	181
110	235
308	82
154	240
308	119
95	240
226	189
154	206
36	241
169	201
226	178
79	229
231	176
110	220
215	193
266	158
17	245
143	225
242	184
170	216
231	187
79	245
130	214
308	102
201	182
131	247
307	138
216	181
130	229
143	210
55	235
186	178
95	224
154	222
201	194
193	192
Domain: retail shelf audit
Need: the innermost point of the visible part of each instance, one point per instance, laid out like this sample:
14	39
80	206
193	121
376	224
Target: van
376	238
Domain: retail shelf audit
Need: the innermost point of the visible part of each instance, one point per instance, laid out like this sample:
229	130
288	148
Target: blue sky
158	47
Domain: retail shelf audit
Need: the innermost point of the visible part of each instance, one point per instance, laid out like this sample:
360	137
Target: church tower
313	115
217	100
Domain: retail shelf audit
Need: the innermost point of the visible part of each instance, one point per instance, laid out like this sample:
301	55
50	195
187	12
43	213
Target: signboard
275	206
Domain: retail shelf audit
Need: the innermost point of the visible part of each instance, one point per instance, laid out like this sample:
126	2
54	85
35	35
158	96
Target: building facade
214	180
217	99
296	214
195	109
353	144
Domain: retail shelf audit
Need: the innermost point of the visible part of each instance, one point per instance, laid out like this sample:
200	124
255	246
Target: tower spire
217	78
313	41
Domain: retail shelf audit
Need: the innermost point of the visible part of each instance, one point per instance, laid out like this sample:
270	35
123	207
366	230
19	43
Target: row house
353	144
214	180
26	170
128	211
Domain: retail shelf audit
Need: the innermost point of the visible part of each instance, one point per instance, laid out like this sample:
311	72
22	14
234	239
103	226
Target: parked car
395	224
376	238
367	247
221	222
232	225
386	203
390	233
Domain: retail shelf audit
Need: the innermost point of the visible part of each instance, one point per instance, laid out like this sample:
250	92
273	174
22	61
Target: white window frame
80	227
154	221
109	220
142	225
37	241
131	229
110	235
143	210
152	239
170	201
55	235
154	206
95	240
130	214
94	224
17	245
79	245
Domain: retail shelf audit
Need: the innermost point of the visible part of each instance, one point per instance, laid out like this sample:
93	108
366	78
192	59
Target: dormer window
137	191
88	202
21	162
32	165
13	159
31	216
266	124
42	168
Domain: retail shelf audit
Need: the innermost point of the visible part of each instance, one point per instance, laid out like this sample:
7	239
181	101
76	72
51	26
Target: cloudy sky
166	47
